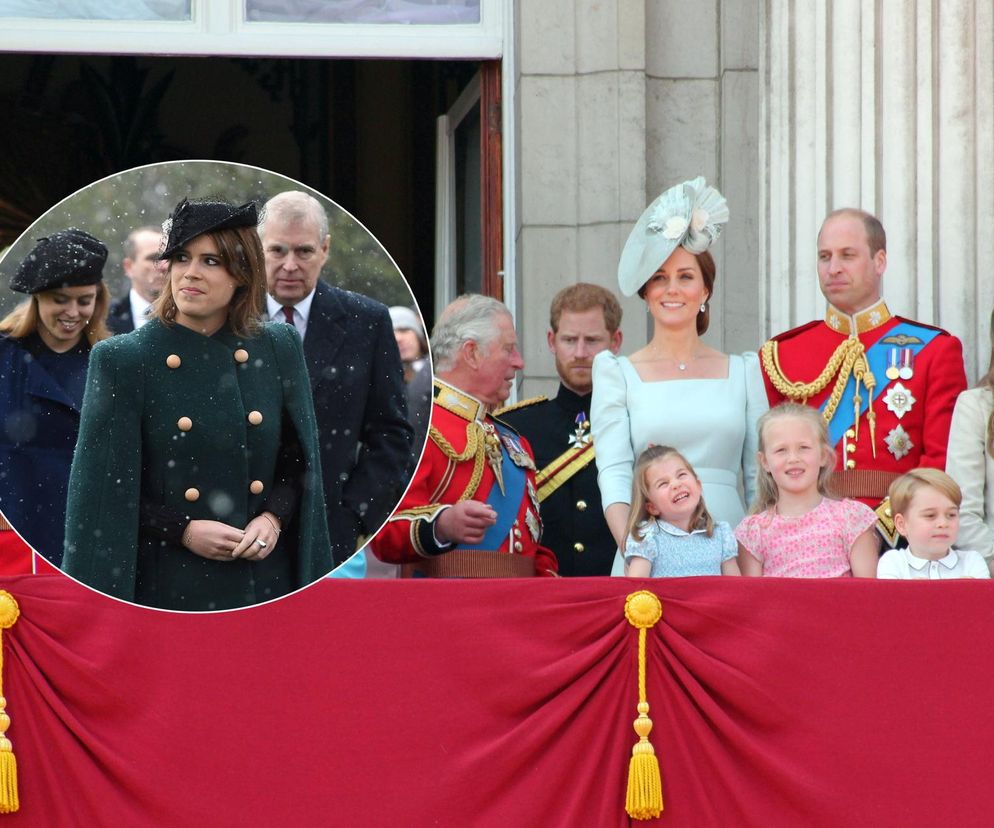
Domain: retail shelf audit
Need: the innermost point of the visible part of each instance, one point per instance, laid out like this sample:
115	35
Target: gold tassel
9	612
644	797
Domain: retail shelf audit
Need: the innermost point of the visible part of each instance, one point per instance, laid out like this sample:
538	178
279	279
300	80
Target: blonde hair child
670	532
795	527
925	503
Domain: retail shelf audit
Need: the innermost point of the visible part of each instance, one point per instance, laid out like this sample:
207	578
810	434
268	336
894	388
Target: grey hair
470	317
291	207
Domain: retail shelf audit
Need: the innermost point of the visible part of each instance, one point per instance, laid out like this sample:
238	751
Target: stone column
886	105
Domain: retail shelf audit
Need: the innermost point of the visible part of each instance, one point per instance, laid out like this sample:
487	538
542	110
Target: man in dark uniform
147	275
584	320
886	385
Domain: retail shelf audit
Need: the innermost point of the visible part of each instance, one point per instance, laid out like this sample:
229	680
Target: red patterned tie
288	313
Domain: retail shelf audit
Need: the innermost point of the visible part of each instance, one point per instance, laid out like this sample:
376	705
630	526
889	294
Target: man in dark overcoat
355	369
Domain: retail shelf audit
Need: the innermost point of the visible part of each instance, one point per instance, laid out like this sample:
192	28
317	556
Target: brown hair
700	519
241	253
767	493
709	270
581	297
876	238
23	320
904	488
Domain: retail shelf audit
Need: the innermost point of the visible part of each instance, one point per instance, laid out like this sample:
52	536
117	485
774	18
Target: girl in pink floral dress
795	528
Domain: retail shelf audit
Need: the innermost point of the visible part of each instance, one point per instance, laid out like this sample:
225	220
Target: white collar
949	561
303	307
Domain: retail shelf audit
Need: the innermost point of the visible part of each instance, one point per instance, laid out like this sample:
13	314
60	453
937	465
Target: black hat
194	218
67	258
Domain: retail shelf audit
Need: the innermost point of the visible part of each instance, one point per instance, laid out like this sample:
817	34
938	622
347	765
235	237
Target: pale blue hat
688	215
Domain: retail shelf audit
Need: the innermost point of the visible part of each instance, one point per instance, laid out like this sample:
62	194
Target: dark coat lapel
326	332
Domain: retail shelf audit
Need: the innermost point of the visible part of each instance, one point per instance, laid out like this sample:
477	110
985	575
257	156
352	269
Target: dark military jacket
573	521
186	434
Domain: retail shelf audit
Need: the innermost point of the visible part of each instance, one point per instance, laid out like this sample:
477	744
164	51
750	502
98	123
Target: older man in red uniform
472	508
886	385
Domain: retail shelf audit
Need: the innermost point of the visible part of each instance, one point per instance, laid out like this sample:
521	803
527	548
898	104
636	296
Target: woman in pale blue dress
676	390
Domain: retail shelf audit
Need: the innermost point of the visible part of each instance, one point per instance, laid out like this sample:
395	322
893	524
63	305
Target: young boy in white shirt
925	504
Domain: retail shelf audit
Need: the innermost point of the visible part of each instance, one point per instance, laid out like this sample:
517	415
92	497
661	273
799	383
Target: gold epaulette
519	404
457	402
885	522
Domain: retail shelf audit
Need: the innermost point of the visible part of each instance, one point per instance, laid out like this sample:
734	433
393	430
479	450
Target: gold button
184	424
851	448
577	547
850	463
851	433
241	355
888	512
255	417
256	487
192	494
173	361
517	546
581	505
517	532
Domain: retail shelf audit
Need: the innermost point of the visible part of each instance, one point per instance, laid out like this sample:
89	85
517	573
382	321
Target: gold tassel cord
9	613
644	797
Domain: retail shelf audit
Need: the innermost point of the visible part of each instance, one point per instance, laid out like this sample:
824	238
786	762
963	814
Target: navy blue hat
194	218
67	258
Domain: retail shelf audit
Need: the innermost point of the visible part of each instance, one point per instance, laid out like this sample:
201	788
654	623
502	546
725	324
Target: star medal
516	451
898	442
534	525
899	399
893	372
581	437
907	364
491	445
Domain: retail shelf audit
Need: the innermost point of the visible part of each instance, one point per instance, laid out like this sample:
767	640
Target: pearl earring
704	307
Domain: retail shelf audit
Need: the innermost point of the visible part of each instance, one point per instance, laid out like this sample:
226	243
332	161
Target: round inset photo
202	399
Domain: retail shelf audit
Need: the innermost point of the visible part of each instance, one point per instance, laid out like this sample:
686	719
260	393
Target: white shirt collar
139	308
949	561
303	307
676	531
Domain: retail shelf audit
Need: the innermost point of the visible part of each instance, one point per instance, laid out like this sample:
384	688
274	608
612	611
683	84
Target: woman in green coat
195	483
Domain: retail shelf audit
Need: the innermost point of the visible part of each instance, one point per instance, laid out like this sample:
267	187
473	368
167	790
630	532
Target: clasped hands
220	542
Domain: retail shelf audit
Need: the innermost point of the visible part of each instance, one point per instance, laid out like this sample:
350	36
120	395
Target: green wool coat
131	448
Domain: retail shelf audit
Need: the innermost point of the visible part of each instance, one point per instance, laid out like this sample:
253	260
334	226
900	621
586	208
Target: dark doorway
360	131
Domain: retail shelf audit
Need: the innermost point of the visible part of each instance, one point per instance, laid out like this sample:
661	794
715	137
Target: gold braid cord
847	360
474	448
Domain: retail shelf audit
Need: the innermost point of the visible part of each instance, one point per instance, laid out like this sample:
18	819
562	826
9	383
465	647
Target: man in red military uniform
472	508
886	385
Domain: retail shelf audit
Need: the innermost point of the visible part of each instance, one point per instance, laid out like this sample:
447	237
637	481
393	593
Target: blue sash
876	355
505	504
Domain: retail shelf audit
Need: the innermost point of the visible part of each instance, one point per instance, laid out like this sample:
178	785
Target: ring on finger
261	542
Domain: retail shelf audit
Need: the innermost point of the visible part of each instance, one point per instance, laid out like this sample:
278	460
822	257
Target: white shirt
301	312
963	563
139	308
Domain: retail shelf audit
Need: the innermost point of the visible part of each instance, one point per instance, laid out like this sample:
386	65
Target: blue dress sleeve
645	548
757	405
729	546
611	429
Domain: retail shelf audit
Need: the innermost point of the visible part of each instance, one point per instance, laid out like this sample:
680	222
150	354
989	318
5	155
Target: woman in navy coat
196	483
44	348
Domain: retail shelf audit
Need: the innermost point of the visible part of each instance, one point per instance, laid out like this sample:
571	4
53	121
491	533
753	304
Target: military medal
899	400
907	364
899	443
581	437
893	371
516	451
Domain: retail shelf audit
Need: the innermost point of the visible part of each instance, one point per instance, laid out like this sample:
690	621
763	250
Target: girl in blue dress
670	532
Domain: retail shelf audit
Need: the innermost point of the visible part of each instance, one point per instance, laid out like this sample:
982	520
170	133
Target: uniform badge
533	495
516	451
581	437
899	399
907	370
898	442
893	371
534	525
